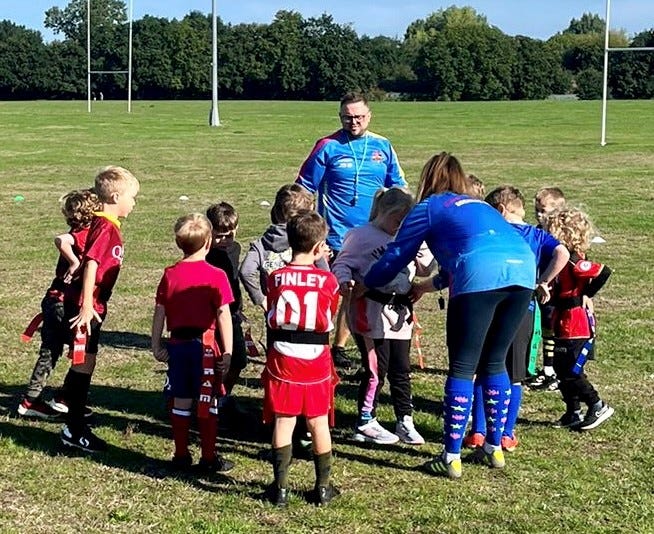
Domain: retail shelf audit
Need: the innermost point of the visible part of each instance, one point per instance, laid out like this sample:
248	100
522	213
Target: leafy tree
631	75
23	62
588	23
536	70
288	75
589	84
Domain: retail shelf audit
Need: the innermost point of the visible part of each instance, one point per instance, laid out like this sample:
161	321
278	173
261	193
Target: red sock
181	422
208	427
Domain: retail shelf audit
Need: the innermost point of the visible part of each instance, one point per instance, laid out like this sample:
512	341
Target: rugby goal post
89	72
605	80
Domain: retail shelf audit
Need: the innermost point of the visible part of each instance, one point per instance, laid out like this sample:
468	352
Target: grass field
556	480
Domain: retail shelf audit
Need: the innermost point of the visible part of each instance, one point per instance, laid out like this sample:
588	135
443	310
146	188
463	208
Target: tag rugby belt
394	300
298	336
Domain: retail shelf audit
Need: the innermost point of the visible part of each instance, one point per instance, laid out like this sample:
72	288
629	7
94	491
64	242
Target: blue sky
535	18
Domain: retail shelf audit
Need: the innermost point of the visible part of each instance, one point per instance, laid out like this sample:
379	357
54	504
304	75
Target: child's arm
65	243
158	321
250	276
224	327
560	256
87	313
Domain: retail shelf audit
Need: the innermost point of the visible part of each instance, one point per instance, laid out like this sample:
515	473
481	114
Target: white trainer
406	431
373	432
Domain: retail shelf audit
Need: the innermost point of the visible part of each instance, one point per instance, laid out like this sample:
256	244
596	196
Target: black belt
393	300
567	303
298	336
186	333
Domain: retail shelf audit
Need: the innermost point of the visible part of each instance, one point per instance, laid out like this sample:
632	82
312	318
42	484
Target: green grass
596	482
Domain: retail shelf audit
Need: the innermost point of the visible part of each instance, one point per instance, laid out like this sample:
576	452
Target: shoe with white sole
406	431
373	432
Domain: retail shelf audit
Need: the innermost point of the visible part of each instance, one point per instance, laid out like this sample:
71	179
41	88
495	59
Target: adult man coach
345	169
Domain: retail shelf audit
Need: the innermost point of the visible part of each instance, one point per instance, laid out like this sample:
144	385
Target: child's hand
420	288
223	363
161	354
84	318
345	289
358	290
543	292
72	268
587	303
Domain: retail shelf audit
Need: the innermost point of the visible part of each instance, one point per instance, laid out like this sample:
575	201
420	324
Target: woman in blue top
492	274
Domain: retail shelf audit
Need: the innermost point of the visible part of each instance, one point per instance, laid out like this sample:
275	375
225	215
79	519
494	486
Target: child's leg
399	376
282	448
180	418
322	448
374	358
563	362
54	333
76	388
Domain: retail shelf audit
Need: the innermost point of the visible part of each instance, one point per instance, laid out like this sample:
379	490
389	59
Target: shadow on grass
125	340
48	442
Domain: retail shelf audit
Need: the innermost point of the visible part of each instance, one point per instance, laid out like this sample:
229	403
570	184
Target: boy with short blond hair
192	301
546	201
86	302
299	377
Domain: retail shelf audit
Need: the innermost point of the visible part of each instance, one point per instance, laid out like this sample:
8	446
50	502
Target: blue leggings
481	327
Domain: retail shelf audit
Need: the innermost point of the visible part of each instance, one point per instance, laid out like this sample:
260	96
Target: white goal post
605	80
89	72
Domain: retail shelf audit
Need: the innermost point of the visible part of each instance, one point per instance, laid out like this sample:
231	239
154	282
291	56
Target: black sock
77	391
323	465
281	462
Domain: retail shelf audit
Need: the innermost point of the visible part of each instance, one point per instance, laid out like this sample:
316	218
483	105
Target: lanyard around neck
357	165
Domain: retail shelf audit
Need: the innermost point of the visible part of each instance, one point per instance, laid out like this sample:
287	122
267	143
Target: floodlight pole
88	54
213	116
605	81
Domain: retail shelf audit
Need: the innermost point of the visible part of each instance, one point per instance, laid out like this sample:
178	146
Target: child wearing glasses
225	254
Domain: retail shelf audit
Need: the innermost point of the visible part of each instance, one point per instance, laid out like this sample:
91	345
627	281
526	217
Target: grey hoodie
266	254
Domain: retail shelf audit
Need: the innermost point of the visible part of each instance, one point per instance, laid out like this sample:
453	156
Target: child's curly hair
572	227
78	207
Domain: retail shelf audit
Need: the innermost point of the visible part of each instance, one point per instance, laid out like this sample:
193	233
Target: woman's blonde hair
389	201
572	227
442	173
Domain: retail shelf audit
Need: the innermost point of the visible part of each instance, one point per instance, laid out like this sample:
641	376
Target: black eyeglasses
353	118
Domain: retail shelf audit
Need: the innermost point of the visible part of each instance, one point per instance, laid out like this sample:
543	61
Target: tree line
452	54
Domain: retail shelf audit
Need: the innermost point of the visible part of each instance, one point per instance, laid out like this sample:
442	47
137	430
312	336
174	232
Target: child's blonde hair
390	201
572	227
553	194
78	207
192	232
113	179
290	200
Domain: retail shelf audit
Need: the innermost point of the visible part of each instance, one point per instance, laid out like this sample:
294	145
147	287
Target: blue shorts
184	376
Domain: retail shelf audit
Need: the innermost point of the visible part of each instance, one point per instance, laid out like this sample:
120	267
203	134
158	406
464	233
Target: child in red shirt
573	320
299	376
78	208
86	300
193	301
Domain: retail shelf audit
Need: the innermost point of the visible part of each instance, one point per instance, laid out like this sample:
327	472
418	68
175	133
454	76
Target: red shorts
291	398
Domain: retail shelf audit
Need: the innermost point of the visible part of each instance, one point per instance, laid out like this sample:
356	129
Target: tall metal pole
606	72
129	60
213	116
88	54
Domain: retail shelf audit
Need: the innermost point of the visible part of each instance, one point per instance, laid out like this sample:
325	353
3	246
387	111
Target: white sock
548	370
449	457
490	449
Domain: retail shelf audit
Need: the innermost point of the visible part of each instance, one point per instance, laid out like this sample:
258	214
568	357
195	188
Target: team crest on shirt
377	156
585	265
118	253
